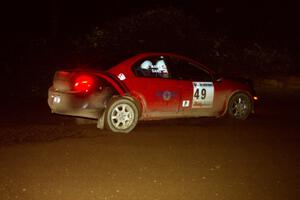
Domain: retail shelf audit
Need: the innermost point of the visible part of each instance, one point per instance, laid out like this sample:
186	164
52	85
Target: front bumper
76	104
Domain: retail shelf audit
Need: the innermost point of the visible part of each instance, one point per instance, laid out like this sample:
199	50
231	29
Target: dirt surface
45	156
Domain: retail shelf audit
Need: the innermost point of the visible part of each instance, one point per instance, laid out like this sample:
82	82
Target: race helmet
161	67
146	65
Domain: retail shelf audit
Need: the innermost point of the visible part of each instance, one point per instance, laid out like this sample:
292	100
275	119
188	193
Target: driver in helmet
161	69
145	68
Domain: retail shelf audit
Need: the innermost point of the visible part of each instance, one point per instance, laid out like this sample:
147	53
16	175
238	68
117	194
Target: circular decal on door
167	95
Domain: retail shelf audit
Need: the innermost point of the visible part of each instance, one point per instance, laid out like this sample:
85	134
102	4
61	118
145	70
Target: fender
118	85
123	90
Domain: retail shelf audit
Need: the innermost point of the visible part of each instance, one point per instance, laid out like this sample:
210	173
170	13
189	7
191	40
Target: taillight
84	83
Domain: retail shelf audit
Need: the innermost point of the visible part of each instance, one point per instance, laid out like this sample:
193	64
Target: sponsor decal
185	103
121	76
166	95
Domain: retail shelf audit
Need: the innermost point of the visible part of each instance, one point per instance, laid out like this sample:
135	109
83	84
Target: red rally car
149	86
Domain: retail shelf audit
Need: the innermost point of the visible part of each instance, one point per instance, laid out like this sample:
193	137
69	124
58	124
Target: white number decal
203	94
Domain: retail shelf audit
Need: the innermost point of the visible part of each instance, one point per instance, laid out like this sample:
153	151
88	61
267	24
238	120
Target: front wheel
121	115
239	106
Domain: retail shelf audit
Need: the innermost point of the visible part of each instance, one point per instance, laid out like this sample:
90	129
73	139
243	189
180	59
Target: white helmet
147	64
161	67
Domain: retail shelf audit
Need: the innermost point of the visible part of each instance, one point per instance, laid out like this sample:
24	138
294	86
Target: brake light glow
83	83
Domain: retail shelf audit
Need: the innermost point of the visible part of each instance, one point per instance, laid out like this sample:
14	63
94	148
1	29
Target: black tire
239	106
121	115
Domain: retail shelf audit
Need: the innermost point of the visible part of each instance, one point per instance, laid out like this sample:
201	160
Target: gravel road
45	156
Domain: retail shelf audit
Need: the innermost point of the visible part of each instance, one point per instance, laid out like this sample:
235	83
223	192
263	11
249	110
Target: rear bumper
75	104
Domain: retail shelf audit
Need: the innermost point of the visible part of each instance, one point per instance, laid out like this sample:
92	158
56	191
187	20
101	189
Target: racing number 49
203	93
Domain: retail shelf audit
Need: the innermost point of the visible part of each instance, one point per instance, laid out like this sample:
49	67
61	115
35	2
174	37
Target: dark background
249	37
269	19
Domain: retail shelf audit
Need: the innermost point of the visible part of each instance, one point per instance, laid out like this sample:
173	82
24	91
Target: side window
185	70
152	67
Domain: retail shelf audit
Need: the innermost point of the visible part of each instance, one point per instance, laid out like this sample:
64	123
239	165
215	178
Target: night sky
265	20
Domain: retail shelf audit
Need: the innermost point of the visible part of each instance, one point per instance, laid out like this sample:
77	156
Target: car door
196	88
153	83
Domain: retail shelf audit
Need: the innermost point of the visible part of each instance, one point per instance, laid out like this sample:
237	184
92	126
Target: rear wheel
239	106
121	115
